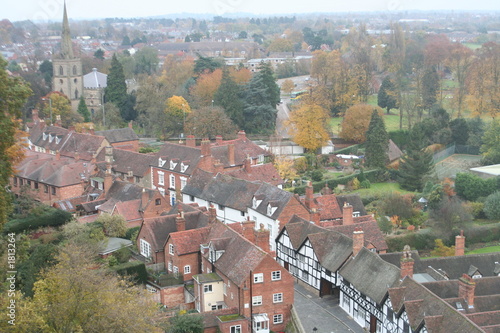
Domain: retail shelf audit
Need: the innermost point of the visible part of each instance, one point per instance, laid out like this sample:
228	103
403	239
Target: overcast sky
16	10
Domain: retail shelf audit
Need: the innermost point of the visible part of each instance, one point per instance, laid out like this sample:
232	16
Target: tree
285	167
356	122
206	64
472	187
459	131
59	105
146	61
176	72
99	54
308	126
150	105
430	88
206	85
83	110
490	148
177	110
377	143
228	96
116	90
114	225
416	166
387	95
46	68
459	61
210	121
74	296
492	206
186	323
441	250
450	216
280	45
265	71
287	86
259	116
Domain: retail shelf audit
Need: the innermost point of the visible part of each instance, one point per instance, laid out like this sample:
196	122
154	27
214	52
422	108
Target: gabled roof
243	147
263	172
371	230
95	80
425	308
130	210
354	200
331	248
119	135
188	241
370	275
394	152
126	160
274	196
126	191
190	156
298	229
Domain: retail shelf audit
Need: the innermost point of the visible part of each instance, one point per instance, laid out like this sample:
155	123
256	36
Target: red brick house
122	138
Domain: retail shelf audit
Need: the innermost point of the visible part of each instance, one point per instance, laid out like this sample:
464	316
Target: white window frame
183	182
187	269
161	178
235	329
278	298
145	248
171	249
258	278
256	300
277	319
169	266
207	288
275	275
172	181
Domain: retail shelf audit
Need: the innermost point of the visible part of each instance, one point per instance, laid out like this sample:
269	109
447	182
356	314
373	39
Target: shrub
476	209
492	206
135	269
132	233
317	175
51	217
365	184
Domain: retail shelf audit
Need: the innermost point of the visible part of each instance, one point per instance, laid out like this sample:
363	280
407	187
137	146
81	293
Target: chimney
230	152
466	289
218	167
71	128
108	154
91	131
108	178
205	148
242	135
309	201
58	155
315	216
218	139
248	164
34	116
406	263
144	198
358	240
130	176
58	121
248	232
206	162
262	238
77	156
347	214
326	190
94	158
460	244
130	124
190	141
180	222
212	214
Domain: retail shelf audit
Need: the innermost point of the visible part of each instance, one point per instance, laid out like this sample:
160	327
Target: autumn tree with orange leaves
356	122
308	126
206	85
13	95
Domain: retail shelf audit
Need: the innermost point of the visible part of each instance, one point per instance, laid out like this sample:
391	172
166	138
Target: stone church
68	75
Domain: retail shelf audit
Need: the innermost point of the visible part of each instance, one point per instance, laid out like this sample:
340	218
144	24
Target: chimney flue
358	240
460	244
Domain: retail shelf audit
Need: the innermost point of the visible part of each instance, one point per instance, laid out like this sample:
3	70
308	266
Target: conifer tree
377	142
116	90
83	110
387	96
273	90
416	166
228	96
259	115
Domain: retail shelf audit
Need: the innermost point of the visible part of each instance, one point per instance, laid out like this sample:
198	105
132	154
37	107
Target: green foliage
258	112
387	95
116	90
492	206
146	61
40	256
99	54
316	175
134	269
415	166
228	96
459	131
83	110
131	232
206	64
377	143
430	87
384	224
423	240
400	138
440	250
365	184
490	148
451	215
471	187
476	209
476	131
114	225
122	255
186	324
52	217
397	204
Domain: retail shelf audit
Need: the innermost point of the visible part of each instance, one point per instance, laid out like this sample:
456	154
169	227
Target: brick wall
294	206
172	296
48	198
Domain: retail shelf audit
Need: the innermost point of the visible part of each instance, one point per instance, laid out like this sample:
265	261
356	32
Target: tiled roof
298	229
394	151
70	205
263	172
130	210
188	241
371	230
181	153
354	200
370	275
47	169
126	160
119	135
274	196
331	248
328	207
424	307
242	149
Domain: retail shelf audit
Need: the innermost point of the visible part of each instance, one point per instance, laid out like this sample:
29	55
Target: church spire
66	44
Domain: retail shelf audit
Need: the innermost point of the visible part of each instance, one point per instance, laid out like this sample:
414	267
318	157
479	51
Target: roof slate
119	135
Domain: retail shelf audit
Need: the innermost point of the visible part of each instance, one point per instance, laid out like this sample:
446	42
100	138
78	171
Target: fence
455	149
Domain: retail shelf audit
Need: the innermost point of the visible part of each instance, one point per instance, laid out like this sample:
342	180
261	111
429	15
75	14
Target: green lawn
391	122
380	188
472	46
488	249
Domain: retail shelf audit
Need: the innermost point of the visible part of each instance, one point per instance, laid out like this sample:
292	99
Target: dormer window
58	139
255	202
172	165
260	159
184	167
356	214
51	138
161	162
44	136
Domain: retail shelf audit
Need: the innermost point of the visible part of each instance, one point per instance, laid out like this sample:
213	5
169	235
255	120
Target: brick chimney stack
406	263
212	214
190	141
34	116
130	176
262	238
466	289
242	135
218	139
58	122
108	178
315	216
358	240
247	230
230	154
58	155
347	214
180	222
218	166
205	147
460	244
309	201
248	164
108	154
206	161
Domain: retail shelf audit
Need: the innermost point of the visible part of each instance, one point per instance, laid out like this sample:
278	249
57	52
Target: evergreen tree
273	90
83	110
259	116
387	95
206	64
459	131
228	96
416	166
116	90
430	86
377	142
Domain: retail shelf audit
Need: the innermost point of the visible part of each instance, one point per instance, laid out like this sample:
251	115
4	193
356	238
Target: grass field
473	46
391	122
488	249
381	188
453	164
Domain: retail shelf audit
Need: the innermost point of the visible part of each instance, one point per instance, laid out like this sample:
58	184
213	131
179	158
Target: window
161	178
171	249
221	207
258	278
235	329
53	191
172	181
278	298
74	70
187	269
158	202
224	288
183	182
176	271
216	307
257	300
276	275
169	266
61	72
207	288
242	213
277	319
15	181
145	248
45	189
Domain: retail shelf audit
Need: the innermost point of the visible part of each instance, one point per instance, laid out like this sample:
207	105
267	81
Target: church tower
67	78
